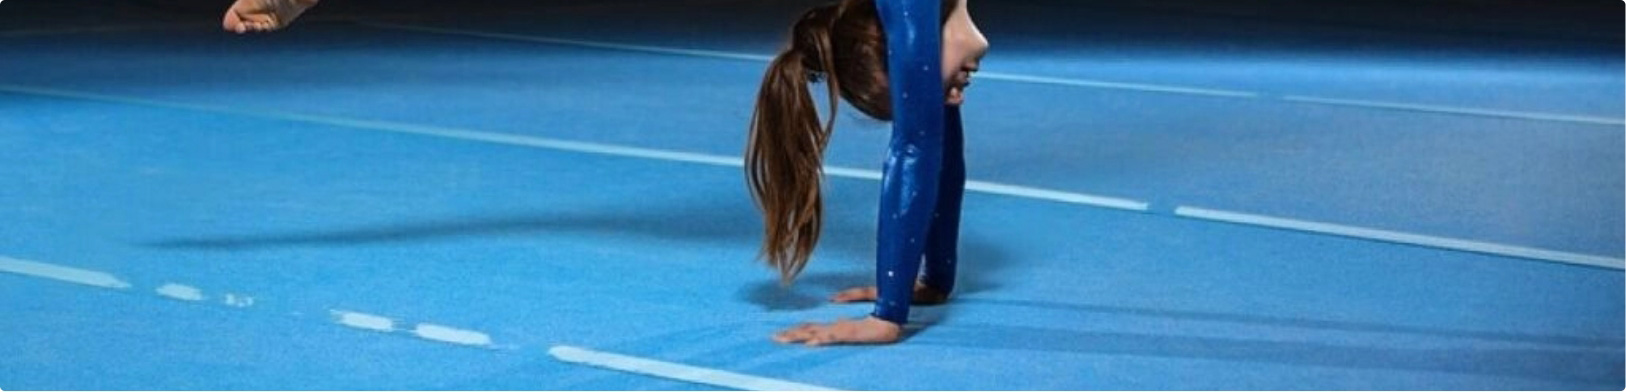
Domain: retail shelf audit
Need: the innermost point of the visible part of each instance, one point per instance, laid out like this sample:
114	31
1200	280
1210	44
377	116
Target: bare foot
868	330
923	295
263	15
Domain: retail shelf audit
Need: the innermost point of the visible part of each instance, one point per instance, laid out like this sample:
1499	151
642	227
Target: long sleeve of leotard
942	242
910	184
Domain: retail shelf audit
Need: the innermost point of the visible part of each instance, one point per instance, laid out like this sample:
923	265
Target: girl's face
963	48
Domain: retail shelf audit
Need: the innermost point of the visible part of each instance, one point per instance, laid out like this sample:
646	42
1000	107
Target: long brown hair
843	45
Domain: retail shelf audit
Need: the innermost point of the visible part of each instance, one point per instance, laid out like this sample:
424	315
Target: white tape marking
676	371
61	273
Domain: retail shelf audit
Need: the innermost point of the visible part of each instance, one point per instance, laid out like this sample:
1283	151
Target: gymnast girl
905	61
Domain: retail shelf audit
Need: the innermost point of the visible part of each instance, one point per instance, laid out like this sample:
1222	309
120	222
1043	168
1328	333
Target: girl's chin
954	97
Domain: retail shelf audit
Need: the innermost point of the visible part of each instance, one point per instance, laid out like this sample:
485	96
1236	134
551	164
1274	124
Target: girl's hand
923	295
868	330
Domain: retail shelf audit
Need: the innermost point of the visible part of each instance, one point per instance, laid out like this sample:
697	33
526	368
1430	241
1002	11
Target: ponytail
784	158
